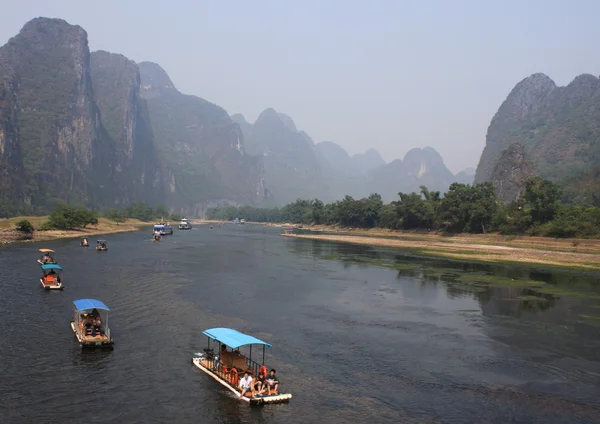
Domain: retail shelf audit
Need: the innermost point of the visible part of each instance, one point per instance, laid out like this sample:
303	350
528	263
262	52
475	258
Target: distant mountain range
100	130
549	131
297	167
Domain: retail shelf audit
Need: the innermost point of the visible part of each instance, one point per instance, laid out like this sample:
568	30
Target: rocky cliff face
558	127
77	127
65	153
116	81
12	189
292	168
510	173
202	147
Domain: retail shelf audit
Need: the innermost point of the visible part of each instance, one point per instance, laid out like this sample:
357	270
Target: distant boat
46	257
185	224
164	228
101	245
242	221
51	277
236	221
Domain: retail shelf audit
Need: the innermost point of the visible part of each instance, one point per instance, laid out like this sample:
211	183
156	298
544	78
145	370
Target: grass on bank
38	222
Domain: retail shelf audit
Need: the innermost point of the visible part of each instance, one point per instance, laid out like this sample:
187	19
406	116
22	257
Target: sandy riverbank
8	233
567	253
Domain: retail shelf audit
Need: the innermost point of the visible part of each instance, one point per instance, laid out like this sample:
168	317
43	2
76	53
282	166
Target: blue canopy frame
51	266
233	338
159	227
86	304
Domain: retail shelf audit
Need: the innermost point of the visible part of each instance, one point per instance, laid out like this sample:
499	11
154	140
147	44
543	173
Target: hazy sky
385	74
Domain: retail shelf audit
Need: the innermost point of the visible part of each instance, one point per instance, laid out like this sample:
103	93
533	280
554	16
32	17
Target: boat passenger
260	384
97	326
246	384
272	383
52	276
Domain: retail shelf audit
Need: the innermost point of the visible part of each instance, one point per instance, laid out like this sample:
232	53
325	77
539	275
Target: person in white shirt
246	383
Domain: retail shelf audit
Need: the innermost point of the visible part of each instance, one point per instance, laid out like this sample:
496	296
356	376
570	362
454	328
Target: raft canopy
87	304
46	267
159	227
233	338
46	250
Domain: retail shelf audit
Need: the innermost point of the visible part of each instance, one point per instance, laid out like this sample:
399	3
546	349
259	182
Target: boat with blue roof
51	278
233	370
163	228
90	324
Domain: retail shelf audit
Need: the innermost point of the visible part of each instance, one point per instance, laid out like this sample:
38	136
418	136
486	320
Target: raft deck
225	379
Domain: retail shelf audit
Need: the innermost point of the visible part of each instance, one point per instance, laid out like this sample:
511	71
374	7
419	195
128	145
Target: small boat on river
164	228
184	224
101	246
85	243
90	323
228	367
51	278
46	257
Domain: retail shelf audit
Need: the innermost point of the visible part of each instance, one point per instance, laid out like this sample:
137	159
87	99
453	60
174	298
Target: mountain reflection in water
359	334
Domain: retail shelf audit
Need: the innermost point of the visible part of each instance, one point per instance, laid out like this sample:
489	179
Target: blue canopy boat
90	323
163	228
227	367
51	278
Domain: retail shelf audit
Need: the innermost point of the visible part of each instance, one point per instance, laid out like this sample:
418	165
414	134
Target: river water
353	341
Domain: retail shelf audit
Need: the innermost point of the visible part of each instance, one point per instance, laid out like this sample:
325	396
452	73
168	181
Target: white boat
51	278
185	224
228	366
89	325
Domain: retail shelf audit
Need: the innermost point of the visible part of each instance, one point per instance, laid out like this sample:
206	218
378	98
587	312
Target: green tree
25	226
115	215
65	217
140	211
414	212
318	211
161	212
543	197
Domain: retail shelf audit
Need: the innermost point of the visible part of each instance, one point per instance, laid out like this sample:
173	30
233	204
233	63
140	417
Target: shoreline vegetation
10	234
467	223
77	222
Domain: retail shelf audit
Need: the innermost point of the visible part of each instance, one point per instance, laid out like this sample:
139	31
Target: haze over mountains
100	130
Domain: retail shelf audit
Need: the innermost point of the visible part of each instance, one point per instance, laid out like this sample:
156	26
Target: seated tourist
260	384
97	326
245	384
272	383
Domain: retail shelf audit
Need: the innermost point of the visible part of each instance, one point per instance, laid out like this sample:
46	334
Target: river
353	341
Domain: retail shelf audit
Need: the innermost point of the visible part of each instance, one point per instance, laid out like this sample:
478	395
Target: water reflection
567	297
